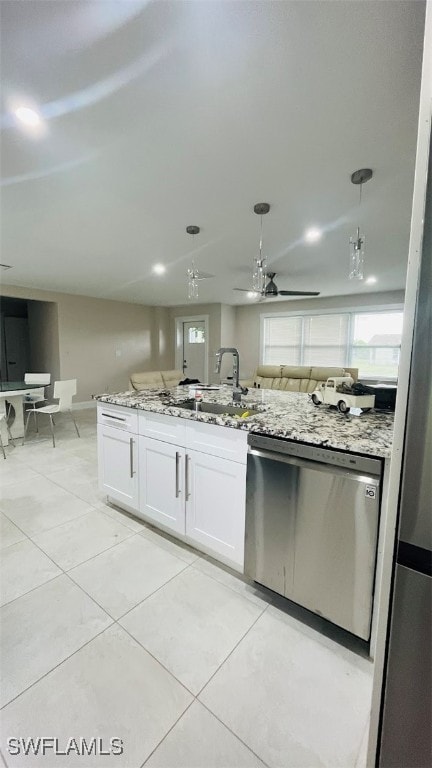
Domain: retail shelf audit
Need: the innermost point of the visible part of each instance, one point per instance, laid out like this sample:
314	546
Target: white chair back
64	392
40	379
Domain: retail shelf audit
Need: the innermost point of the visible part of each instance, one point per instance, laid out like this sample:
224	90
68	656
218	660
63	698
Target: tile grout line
56	666
167	733
40	533
236	592
233	732
158	661
66	523
117	622
232	650
9	602
113	622
63	572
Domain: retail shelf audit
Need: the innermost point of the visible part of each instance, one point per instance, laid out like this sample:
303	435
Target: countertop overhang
286	415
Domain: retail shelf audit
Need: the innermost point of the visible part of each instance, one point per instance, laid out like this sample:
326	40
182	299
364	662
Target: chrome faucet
238	391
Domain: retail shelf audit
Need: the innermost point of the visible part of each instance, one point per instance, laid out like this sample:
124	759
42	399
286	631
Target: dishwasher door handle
283	458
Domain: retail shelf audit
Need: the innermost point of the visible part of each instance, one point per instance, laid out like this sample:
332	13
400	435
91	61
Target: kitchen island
184	471
288	415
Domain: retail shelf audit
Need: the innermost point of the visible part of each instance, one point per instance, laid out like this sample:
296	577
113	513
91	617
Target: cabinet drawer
217	441
170	429
118	416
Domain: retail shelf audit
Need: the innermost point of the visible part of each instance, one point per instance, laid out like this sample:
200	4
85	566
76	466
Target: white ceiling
164	114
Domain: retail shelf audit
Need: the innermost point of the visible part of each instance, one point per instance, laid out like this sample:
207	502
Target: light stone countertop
288	415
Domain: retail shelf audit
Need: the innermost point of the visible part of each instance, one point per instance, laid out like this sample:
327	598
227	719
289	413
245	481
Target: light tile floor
110	629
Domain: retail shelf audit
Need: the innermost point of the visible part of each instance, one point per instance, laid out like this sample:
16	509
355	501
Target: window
196	336
369	341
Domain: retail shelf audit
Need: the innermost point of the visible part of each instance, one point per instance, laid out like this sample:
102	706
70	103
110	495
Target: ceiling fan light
357	241
258	276
259	264
357	256
192	272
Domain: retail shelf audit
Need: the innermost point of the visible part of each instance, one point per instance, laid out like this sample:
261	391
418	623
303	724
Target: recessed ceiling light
313	234
159	269
371	280
28	116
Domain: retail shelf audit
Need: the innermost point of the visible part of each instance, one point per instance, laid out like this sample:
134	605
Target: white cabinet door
215	504
162	483
118	465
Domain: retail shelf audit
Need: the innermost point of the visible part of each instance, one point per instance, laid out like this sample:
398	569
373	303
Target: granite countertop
289	415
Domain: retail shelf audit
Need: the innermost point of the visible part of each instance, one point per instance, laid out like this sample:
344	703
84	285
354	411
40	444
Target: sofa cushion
296	371
147	380
172	378
323	373
296	378
269	371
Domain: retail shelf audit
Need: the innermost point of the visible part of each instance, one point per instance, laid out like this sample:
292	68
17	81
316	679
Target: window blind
325	339
369	341
282	340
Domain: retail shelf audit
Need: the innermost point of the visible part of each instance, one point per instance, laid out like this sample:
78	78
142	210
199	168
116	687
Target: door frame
178	340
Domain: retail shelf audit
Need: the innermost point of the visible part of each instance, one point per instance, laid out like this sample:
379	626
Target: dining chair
3	418
63	392
30	402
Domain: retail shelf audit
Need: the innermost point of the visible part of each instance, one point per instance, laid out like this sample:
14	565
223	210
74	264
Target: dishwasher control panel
315	453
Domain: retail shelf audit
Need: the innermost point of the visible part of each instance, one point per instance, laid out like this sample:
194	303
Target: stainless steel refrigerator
406	712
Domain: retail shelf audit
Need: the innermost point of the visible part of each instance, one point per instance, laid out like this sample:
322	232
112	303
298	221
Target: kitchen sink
203	407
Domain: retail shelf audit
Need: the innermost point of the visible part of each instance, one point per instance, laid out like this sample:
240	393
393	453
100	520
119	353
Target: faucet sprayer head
218	362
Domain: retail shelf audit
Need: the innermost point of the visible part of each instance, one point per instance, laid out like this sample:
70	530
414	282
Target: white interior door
194	349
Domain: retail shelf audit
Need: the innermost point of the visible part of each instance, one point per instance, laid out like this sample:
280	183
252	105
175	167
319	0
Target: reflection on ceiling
155	114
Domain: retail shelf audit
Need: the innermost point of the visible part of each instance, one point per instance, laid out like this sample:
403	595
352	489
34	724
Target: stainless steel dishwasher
312	526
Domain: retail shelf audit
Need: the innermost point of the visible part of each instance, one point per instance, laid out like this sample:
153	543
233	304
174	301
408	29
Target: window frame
350	311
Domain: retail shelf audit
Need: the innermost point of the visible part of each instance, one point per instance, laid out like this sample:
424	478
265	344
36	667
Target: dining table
14	394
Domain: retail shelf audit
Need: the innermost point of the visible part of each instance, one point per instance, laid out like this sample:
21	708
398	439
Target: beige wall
248	319
228	336
101	342
44	338
213	311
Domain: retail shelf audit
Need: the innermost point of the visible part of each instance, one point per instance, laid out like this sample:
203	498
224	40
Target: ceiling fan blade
247	290
203	276
299	293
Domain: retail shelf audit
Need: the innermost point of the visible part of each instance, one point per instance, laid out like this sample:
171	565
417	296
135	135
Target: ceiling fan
271	290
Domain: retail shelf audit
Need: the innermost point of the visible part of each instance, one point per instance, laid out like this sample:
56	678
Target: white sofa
155	379
295	378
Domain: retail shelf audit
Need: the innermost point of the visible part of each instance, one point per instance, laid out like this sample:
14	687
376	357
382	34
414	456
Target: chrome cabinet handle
187	491
177	461
110	416
131	442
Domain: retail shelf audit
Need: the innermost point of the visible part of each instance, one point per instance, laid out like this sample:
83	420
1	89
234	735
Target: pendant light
259	265
192	272
357	241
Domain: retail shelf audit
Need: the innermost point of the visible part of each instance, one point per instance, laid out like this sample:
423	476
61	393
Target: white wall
248	318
